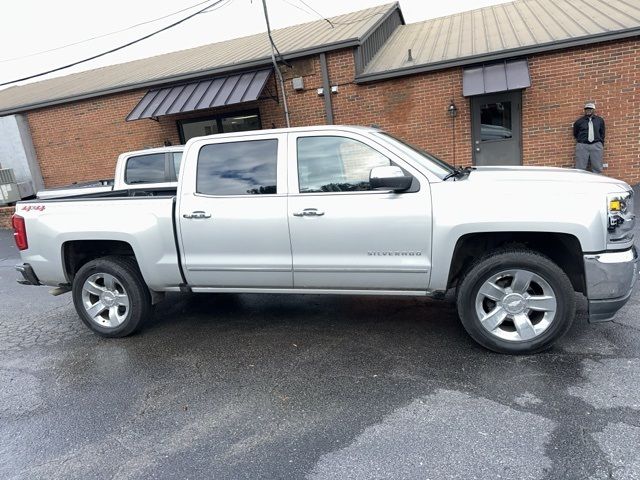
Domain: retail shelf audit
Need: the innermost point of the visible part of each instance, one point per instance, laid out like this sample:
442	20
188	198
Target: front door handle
197	214
309	212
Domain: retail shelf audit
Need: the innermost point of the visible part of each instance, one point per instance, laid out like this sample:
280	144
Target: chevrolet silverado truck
153	167
343	210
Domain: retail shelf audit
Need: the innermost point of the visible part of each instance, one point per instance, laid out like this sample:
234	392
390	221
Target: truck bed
143	219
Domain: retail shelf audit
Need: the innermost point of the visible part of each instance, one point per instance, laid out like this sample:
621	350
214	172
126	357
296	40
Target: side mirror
389	178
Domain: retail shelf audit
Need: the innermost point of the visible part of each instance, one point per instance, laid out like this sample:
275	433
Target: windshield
427	160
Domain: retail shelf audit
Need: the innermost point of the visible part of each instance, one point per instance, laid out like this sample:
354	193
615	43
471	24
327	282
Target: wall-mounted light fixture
334	89
298	84
452	110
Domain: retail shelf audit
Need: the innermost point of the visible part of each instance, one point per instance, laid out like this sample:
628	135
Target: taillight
19	232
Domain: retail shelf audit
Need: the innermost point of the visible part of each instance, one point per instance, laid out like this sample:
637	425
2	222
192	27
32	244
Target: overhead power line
333	23
316	12
298	7
128	44
79	42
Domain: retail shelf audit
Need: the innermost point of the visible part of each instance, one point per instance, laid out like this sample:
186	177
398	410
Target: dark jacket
581	129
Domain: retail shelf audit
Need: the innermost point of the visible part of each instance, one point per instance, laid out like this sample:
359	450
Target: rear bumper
28	275
610	279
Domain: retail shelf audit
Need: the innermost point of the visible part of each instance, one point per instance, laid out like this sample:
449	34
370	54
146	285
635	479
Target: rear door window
238	168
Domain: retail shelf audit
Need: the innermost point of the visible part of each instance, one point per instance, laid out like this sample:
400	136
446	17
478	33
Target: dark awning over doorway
497	77
200	95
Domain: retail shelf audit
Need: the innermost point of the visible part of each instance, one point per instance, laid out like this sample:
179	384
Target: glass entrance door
234	122
496	129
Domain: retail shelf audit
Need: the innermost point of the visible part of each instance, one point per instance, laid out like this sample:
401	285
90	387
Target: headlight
620	218
617	204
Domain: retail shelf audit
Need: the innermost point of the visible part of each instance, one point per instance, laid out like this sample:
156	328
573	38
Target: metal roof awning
200	95
498	77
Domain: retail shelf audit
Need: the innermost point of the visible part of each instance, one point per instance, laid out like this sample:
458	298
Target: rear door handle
309	212
197	214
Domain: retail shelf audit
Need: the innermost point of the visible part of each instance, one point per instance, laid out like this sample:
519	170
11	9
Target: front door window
336	164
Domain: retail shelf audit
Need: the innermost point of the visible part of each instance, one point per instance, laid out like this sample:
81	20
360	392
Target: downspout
326	88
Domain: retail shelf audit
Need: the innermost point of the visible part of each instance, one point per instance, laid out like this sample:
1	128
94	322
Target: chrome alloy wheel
105	300
516	305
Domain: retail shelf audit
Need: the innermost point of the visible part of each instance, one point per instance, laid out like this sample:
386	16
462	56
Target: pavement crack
637	329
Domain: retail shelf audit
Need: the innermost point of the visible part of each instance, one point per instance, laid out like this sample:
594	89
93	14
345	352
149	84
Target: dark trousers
586	153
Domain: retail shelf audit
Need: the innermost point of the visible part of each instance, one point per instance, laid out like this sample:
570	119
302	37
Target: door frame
238	275
345	279
475	101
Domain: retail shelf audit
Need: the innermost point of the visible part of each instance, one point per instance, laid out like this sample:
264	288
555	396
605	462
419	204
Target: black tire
515	259
126	272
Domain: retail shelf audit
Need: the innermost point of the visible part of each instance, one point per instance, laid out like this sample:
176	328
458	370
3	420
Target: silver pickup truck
343	210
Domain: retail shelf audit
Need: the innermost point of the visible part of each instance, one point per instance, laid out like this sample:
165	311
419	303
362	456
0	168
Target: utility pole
275	65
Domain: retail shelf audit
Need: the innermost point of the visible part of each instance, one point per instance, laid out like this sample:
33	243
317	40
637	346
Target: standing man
588	131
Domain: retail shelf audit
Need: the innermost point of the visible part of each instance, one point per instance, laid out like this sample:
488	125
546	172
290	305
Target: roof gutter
165	81
501	55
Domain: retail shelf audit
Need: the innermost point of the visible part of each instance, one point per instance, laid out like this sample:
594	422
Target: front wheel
516	301
111	296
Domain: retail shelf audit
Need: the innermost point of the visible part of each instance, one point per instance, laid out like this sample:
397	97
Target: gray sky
32	26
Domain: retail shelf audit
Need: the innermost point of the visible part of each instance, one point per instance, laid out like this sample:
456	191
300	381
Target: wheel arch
76	253
562	248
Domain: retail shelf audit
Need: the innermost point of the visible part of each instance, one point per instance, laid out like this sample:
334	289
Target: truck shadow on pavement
347	375
268	386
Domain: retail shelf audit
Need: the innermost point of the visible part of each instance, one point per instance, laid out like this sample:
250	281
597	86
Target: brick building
498	85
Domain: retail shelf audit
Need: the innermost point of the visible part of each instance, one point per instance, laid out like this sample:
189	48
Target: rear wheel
516	301
111	297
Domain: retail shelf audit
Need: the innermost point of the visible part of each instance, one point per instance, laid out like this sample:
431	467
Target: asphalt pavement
317	387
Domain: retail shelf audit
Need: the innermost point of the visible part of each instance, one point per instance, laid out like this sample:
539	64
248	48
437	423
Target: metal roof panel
238	53
508	27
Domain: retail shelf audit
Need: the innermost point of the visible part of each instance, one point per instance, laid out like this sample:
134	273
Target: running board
314	291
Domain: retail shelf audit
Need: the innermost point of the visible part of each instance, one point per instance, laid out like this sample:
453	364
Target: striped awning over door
496	77
201	94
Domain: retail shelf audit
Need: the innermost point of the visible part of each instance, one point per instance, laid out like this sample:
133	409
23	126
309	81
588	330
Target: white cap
590	105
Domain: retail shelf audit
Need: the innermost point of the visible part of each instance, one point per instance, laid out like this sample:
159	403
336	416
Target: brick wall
81	141
413	108
609	74
5	216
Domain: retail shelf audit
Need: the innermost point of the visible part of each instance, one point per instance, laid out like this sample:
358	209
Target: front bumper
28	275
610	278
